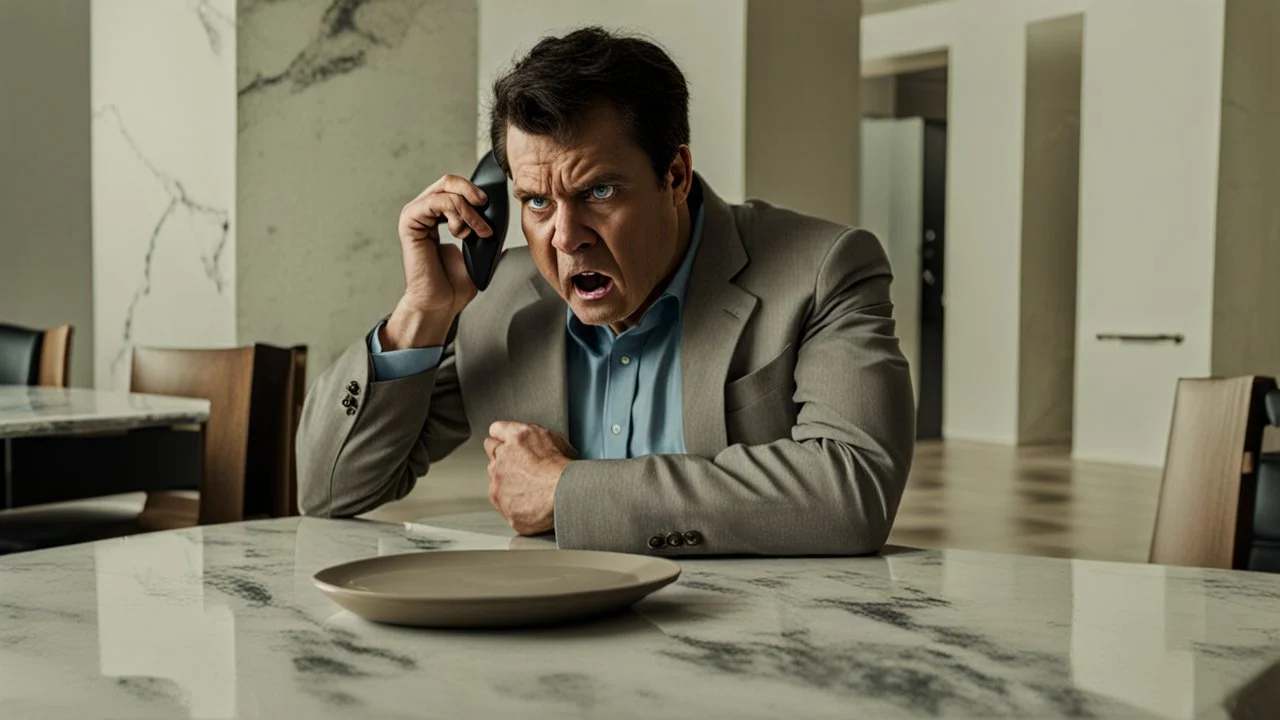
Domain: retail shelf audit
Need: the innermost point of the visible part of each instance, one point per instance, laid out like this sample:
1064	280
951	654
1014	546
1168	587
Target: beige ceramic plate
493	588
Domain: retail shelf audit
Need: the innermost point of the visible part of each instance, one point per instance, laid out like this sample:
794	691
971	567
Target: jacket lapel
715	313
536	359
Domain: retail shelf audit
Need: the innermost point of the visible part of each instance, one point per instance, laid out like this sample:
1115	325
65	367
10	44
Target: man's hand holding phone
437	286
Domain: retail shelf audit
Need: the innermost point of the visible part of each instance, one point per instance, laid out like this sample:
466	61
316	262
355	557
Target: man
658	371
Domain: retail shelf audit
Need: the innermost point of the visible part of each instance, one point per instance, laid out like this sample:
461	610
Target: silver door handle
1175	338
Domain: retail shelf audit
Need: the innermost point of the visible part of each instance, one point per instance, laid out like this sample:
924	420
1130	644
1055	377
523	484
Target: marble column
163	158
1246	325
250	160
1050	213
347	110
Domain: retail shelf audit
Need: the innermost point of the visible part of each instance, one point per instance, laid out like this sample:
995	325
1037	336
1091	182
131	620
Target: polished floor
1035	501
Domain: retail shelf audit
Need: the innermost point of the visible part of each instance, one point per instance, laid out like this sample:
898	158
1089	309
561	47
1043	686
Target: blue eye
537	203
602	192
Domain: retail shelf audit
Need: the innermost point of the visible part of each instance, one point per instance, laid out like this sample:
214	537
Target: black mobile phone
480	253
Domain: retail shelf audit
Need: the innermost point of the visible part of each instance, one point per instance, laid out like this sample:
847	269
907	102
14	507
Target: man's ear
680	174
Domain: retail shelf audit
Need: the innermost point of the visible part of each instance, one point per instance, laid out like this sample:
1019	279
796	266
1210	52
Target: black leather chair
35	357
20	355
1264	552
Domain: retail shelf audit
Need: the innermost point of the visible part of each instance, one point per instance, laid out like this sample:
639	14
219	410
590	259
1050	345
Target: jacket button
348	402
657	542
693	537
353	387
675	540
351	411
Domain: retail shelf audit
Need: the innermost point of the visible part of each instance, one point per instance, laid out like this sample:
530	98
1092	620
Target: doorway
903	201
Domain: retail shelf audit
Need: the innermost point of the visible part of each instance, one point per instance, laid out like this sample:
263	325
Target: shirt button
616	429
625	360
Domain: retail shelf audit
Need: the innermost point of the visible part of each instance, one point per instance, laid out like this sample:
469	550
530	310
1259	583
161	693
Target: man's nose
571	236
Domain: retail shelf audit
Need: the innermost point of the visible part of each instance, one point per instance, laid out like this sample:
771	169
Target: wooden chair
242	463
255	395
35	357
1205	513
55	357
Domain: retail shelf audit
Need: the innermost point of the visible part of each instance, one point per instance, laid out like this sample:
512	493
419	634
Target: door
932	271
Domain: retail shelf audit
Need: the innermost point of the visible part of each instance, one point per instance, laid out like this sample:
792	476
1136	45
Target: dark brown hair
549	90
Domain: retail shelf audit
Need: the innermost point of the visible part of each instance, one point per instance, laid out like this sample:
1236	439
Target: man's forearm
817	497
353	458
412	328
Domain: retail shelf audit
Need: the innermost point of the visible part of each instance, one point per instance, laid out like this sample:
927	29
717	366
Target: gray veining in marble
40	411
214	21
346	110
223	621
218	219
342	43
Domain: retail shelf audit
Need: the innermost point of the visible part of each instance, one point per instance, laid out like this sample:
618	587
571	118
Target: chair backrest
248	446
35	357
55	357
1264	550
1204	515
286	497
19	355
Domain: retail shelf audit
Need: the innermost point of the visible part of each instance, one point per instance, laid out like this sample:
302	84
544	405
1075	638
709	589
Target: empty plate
493	588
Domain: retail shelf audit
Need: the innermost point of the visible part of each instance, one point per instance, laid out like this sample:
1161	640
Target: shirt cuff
396	364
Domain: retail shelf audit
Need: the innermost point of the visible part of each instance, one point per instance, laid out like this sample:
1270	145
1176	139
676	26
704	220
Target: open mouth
592	285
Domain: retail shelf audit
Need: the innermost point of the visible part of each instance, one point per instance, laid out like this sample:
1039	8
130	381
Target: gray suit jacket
799	415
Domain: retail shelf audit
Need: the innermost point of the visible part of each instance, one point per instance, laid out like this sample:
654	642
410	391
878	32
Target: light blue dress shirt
624	389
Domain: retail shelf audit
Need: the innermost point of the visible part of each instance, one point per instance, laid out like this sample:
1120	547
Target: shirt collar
679	283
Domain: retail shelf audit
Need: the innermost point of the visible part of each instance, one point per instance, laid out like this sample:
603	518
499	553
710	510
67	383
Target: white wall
1148	196
46	276
802	102
1148	143
707	39
164	153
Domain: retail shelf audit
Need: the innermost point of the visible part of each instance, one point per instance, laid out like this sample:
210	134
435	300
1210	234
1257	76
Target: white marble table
31	411
27	411
223	621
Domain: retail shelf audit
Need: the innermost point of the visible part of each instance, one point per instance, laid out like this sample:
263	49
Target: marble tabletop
223	621
28	411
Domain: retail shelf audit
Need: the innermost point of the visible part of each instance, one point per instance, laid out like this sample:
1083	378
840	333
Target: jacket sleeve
831	488
352	462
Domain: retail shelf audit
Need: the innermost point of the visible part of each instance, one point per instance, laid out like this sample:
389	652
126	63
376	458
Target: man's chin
595	318
594	314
